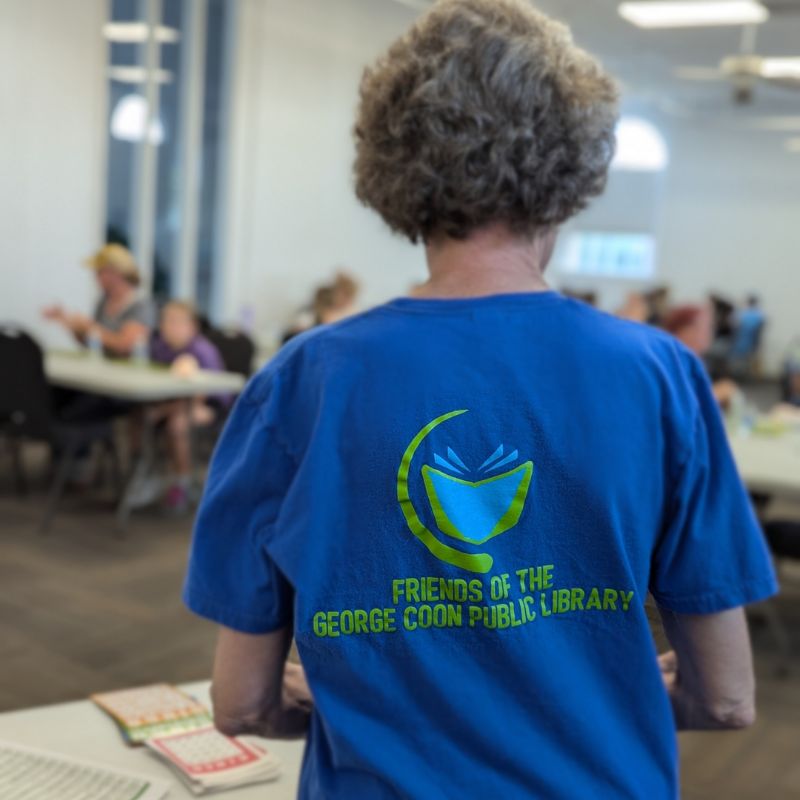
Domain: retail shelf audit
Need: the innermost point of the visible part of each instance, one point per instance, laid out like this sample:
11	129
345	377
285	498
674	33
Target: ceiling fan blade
792	84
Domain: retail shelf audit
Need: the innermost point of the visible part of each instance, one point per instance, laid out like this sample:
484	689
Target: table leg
190	441
141	467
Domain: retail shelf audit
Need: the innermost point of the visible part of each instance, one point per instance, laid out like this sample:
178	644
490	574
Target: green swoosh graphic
481	562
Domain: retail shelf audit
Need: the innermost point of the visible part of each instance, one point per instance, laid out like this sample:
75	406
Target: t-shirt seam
711	594
458	306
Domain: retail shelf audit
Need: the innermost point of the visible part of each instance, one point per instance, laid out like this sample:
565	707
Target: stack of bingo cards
179	730
149	711
208	761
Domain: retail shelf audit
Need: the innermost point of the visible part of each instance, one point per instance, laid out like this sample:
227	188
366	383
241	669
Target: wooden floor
82	610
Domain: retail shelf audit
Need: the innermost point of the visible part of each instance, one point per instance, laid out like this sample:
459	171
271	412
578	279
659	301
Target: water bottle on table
140	355
94	343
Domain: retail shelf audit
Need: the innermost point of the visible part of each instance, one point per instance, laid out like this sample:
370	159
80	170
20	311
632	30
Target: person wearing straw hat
121	319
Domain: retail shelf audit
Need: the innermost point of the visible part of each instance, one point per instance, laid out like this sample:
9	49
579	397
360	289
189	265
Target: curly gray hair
485	111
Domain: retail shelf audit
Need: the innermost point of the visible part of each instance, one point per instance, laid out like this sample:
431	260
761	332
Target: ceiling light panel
687	14
138	32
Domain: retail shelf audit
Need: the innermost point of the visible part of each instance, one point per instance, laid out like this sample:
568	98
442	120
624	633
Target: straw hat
116	257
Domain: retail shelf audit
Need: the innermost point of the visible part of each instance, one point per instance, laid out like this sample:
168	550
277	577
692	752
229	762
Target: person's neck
490	261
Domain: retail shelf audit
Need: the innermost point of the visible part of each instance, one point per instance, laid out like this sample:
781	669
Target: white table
769	463
135	383
83	731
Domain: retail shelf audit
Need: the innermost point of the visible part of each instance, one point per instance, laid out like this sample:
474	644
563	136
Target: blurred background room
177	202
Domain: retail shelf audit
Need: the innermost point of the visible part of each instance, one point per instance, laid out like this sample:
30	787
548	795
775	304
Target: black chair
236	348
784	538
237	351
27	413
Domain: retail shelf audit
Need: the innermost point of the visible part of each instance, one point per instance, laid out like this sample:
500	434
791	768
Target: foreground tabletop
82	730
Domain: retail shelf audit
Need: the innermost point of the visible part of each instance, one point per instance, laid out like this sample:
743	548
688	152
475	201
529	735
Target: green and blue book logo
469	512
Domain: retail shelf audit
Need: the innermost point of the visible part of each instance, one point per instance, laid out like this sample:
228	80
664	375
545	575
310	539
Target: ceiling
645	60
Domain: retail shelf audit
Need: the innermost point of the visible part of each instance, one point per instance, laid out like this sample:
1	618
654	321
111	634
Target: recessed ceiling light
686	14
138	32
778	68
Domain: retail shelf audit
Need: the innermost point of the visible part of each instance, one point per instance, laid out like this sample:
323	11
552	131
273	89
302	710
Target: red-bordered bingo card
205	751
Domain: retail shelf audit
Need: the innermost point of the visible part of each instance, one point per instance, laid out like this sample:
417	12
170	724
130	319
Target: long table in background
135	383
769	463
83	731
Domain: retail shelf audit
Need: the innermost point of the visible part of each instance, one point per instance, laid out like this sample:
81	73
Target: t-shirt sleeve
711	555
231	578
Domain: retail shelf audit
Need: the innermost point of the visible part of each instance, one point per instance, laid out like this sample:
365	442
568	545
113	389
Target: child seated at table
178	342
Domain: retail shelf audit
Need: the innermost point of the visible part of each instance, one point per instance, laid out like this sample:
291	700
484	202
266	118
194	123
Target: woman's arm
124	340
255	690
76	324
709	675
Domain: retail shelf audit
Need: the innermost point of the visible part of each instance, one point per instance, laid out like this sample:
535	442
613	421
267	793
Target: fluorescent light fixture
793	146
688	14
138	75
421	5
138	32
778	68
640	147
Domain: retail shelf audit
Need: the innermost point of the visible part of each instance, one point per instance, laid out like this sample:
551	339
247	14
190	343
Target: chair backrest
25	396
236	348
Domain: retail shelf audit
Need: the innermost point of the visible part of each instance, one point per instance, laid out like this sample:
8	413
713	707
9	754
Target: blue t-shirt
460	507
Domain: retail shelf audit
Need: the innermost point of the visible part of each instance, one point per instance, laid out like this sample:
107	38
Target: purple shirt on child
202	349
204	352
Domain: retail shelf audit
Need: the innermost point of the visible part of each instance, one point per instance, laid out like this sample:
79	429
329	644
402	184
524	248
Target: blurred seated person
635	308
121	319
341	302
120	322
748	326
331	303
789	408
658	301
694	326
724	313
588	297
179	344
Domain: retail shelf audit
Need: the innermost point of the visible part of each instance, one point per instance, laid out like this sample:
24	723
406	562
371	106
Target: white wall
727	218
731	222
52	106
292	213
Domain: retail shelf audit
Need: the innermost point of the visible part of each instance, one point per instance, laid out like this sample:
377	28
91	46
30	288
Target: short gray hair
485	111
